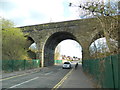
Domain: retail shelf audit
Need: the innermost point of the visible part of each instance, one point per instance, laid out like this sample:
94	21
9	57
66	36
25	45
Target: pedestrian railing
18	65
58	61
104	71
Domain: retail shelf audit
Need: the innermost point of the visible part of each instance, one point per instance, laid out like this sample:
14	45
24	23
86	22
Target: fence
57	61
17	65
104	71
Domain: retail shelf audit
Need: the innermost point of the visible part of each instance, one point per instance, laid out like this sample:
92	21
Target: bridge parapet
48	26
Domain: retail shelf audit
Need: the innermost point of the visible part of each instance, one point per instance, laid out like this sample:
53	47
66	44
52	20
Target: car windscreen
66	63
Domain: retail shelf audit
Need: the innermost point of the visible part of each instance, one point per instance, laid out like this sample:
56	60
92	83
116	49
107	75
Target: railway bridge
48	36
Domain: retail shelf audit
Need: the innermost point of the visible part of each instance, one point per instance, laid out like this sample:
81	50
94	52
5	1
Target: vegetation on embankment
14	45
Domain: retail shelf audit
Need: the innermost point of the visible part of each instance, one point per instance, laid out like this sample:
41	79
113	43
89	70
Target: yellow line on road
16	76
61	82
13	77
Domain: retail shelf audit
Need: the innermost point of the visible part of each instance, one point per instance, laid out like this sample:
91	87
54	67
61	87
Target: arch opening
99	48
52	43
68	50
32	49
97	36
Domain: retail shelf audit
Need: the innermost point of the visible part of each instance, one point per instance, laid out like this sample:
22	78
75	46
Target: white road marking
23	82
48	73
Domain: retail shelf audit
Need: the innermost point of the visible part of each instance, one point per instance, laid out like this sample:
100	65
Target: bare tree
108	16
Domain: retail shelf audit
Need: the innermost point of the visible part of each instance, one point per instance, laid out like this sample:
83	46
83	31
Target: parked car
66	65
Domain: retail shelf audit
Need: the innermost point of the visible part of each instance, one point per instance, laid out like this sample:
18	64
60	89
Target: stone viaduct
48	36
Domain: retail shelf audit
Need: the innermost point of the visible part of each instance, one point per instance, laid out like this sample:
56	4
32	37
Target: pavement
76	79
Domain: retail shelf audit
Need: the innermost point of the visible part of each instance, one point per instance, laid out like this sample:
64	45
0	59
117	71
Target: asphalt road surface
47	77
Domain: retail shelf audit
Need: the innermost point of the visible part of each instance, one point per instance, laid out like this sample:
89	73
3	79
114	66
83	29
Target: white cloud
28	12
50	9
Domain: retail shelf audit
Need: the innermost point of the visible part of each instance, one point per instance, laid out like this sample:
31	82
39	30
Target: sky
70	48
31	12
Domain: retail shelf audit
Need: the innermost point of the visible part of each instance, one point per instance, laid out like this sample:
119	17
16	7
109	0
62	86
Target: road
47	77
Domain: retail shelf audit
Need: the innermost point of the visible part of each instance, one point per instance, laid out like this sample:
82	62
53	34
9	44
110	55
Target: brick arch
30	41
29	38
51	44
49	35
97	35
